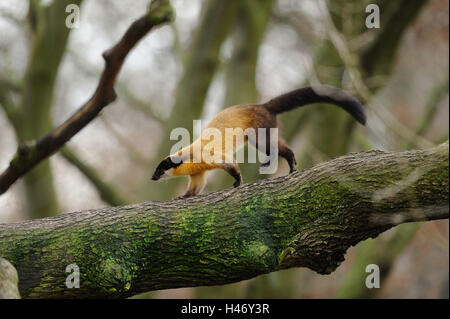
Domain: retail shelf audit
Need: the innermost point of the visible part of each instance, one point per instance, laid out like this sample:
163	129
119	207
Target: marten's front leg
233	170
196	184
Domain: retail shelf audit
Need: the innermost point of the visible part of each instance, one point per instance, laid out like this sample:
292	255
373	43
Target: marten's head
165	168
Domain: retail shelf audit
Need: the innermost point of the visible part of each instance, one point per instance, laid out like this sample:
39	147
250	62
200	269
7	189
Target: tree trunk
50	36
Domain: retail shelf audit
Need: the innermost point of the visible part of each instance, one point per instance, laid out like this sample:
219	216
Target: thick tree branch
306	219
30	154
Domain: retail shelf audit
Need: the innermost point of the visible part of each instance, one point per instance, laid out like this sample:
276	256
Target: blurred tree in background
217	54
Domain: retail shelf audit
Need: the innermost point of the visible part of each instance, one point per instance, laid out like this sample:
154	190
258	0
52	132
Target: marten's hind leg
196	184
233	170
271	149
285	152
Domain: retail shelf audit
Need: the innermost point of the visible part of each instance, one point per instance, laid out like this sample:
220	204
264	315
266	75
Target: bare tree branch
132	151
30	154
306	219
8	106
123	90
438	93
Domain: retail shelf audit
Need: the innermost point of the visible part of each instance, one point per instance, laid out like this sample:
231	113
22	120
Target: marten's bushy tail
317	94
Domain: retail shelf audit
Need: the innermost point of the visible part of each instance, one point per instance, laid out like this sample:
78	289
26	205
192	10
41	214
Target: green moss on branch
306	219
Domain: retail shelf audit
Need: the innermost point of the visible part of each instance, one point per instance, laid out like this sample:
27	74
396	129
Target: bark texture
306	219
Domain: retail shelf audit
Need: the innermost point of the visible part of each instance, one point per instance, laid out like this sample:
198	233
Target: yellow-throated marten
249	116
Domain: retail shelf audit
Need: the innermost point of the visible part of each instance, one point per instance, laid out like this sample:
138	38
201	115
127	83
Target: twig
8	106
123	90
351	64
425	121
134	154
107	192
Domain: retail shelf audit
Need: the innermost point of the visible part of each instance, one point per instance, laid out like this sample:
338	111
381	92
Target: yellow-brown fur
247	116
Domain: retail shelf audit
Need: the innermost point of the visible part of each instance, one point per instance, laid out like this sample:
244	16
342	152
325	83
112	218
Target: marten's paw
184	196
292	166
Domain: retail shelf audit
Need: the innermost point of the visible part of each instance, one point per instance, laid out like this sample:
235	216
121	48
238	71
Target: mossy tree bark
306	219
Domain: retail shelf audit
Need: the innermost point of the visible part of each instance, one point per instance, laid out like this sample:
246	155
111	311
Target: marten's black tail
317	94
